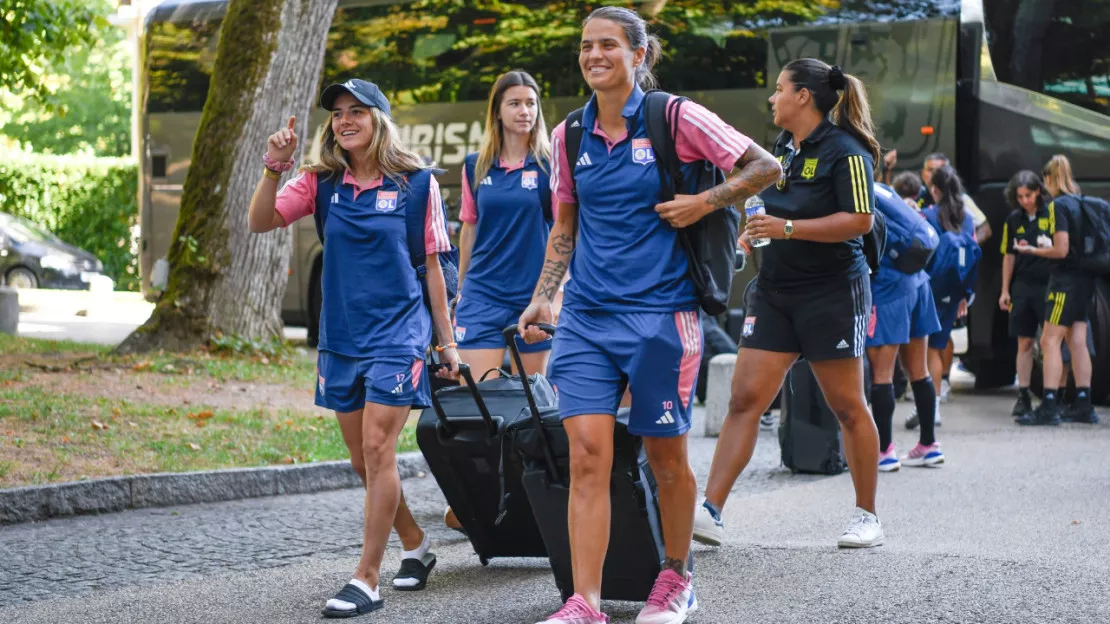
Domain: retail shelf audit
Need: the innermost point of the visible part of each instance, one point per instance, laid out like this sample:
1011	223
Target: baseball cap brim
330	94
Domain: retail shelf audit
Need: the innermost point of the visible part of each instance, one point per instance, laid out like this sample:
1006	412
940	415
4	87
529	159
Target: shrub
88	202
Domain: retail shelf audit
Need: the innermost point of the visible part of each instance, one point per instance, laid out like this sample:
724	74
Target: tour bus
997	85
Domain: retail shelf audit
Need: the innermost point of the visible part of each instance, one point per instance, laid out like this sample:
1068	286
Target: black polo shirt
1065	209
831	172
924	198
1030	272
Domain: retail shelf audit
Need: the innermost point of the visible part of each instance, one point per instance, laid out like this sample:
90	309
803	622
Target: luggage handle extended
448	428
510	333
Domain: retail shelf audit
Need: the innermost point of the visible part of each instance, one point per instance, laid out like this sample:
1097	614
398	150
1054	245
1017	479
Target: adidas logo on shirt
487	181
666	419
584	161
843	344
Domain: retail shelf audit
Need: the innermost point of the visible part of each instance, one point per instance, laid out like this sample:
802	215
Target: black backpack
1094	234
710	244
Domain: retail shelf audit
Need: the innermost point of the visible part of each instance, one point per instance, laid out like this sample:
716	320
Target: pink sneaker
924	455
671	600
888	459
576	611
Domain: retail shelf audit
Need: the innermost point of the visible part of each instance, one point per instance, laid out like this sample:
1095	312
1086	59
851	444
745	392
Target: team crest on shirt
642	152
530	180
387	201
460	334
749	326
809	169
1042	223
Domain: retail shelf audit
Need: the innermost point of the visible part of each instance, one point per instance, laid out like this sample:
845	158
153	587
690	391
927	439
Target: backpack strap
573	136
661	120
416	216
469	164
544	181
325	189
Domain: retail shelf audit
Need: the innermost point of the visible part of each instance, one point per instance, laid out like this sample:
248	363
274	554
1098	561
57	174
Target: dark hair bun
836	78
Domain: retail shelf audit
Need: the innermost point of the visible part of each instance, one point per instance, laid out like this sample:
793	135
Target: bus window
1056	48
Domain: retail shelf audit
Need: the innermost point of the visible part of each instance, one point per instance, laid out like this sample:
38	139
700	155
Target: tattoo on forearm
554	269
678	565
758	170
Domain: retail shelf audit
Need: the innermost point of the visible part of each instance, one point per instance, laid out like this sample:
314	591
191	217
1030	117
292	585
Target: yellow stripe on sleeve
1051	217
857	191
1005	237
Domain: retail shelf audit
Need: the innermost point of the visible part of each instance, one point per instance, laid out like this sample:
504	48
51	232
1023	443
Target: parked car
32	257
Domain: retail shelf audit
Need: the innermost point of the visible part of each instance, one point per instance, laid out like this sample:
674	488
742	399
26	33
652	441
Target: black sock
925	398
1023	394
944	377
1049	397
882	410
1082	396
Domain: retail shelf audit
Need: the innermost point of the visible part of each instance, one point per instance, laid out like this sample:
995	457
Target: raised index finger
292	121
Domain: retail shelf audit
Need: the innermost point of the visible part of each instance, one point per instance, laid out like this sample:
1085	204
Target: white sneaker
864	531
708	527
945	390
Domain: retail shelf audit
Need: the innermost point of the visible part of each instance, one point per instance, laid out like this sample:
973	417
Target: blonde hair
1058	175
538	143
386	152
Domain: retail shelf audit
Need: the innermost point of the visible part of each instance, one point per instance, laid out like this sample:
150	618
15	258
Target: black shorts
1026	314
820	325
1069	294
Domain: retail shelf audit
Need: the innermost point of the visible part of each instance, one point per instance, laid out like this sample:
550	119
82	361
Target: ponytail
849	110
635	30
950	208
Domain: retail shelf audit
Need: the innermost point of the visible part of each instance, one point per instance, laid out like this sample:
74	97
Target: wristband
274	165
450	345
270	173
747	248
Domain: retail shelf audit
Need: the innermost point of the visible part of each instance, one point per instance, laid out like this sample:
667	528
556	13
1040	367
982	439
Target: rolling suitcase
635	554
461	438
809	433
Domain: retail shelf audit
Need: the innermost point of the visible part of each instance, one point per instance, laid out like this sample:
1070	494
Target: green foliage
276	349
36	35
87	202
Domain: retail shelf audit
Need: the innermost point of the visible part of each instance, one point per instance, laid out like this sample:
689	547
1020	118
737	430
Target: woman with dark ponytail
629	314
812	297
952	270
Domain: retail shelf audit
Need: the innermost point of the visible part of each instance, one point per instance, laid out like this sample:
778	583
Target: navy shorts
346	384
948	310
897	322
657	354
478	325
826	324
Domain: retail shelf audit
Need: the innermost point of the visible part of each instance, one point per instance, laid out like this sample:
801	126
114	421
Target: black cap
366	92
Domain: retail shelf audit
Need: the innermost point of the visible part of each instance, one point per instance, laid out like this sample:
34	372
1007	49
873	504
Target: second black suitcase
809	433
461	438
635	554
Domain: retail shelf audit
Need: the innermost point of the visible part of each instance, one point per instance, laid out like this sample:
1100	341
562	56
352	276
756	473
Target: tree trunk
223	279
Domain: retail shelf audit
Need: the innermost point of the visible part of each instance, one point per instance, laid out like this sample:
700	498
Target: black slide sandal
352	594
414	569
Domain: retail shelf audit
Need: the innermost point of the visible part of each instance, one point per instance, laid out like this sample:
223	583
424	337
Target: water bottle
752	207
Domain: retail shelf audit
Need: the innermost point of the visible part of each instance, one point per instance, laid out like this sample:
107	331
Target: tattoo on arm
757	170
554	269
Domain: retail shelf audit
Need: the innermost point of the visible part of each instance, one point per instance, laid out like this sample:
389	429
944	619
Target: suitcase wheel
483	561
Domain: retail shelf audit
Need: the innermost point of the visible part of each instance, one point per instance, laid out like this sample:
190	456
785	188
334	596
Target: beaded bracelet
450	345
274	165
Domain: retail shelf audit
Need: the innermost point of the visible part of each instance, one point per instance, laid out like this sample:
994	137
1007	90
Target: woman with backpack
903	316
506	214
1070	288
952	270
630	312
812	297
375	323
1025	276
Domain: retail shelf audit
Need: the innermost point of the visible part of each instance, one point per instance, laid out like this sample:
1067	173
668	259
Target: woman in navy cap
374	322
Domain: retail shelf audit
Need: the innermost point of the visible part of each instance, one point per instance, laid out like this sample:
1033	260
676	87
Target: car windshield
23	231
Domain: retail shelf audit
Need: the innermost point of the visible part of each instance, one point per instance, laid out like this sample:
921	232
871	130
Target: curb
96	496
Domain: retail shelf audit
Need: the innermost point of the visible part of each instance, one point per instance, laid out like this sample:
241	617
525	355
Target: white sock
343	605
421	550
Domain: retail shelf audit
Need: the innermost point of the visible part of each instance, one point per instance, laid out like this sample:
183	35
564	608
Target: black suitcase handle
510	333
464	370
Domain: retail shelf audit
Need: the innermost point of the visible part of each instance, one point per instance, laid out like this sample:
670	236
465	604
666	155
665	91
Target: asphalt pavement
1015	527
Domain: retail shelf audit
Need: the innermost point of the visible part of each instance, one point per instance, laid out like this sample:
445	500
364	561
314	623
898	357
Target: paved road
1015	528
